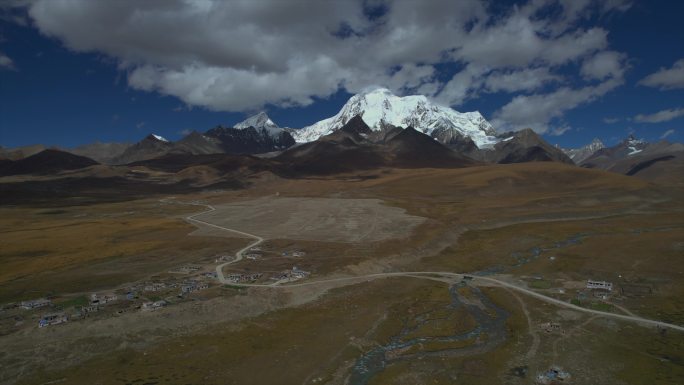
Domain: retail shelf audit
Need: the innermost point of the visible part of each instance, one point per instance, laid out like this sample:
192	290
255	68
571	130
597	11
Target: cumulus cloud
666	78
660	116
6	63
667	133
520	80
604	65
609	120
240	55
538	110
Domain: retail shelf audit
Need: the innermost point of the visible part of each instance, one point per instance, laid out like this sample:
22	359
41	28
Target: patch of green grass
540	284
600	306
74	302
234	287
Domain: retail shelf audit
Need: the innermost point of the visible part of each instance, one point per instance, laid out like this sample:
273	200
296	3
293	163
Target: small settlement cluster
158	292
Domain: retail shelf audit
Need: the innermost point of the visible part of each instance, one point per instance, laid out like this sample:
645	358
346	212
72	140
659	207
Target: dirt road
414	274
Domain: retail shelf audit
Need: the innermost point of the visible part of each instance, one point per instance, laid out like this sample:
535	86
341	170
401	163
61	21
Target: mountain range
658	162
373	129
578	155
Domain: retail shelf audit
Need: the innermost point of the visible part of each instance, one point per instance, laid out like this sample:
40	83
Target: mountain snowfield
635	145
260	121
159	137
380	107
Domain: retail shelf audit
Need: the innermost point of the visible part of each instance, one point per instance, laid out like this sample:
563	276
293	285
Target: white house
601	285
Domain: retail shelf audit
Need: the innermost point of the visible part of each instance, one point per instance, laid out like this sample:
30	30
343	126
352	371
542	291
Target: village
184	282
181	283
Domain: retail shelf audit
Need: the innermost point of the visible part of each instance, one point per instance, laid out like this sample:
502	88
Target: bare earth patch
315	219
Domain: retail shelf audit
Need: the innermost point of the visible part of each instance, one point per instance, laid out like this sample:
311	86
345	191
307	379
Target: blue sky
115	71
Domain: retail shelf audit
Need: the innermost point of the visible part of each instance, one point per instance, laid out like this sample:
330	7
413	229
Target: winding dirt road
409	274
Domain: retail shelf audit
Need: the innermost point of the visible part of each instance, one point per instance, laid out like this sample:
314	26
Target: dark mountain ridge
45	162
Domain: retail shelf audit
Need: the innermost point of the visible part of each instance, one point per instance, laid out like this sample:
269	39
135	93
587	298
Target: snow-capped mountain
256	134
380	108
634	145
159	137
259	121
630	146
658	161
579	154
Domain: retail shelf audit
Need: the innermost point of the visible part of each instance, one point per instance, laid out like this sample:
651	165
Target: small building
101	299
36	303
89	309
52	319
253	256
156	286
550	327
151	306
298	253
189	269
297	273
554	375
237	278
599	285
192	286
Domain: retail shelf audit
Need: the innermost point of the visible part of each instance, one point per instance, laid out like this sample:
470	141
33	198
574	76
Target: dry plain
499	221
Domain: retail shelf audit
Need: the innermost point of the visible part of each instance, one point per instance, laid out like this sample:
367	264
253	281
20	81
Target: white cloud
609	120
660	116
667	133
240	55
537	111
6	63
604	65
521	80
516	44
559	130
666	78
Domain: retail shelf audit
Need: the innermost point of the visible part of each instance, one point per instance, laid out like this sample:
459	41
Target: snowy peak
258	121
634	145
380	108
155	137
584	152
595	145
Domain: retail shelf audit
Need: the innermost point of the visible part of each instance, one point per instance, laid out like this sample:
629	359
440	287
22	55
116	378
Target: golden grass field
476	219
82	248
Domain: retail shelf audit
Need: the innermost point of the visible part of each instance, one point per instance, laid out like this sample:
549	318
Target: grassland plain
477	219
83	248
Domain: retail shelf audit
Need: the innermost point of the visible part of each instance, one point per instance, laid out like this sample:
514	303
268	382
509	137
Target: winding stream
489	333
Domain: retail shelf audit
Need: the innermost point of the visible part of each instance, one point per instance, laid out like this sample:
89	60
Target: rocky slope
355	146
521	146
661	162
